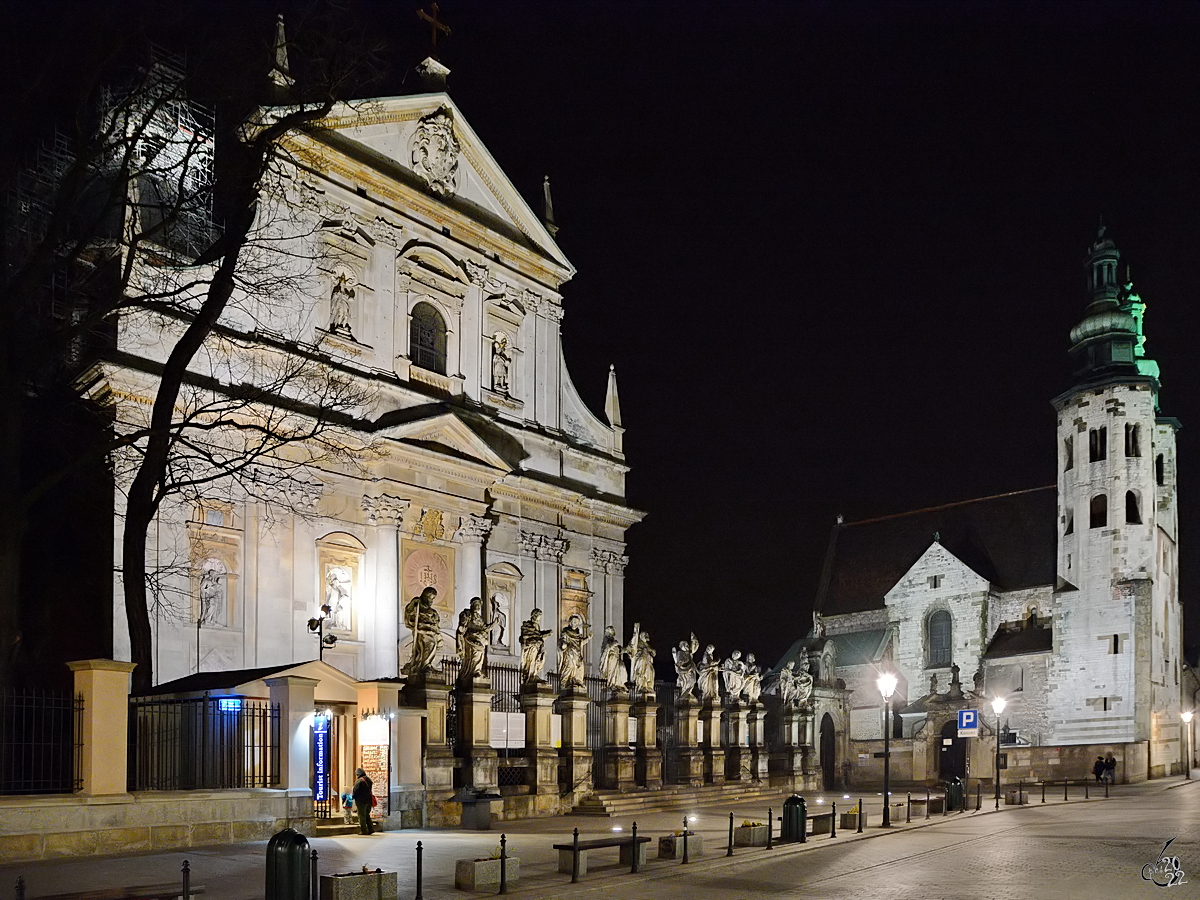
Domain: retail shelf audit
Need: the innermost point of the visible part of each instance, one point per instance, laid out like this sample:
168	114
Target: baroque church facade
1063	601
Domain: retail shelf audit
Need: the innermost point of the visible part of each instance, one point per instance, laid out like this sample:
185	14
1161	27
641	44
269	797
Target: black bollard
945	802
187	881
978	796
833	819
770	826
420	871
1065	783
575	856
503	865
1085	790
908	812
685	837
634	846
803	822
20	888
1043	790
729	849
862	814
927	803
314	878
1105	788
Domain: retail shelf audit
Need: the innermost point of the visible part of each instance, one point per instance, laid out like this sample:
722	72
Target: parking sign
968	723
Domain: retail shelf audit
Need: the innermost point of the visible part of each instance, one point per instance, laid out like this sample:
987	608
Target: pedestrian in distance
1110	768
363	800
1098	769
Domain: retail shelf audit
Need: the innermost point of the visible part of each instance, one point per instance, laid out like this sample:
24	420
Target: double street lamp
887	687
998	707
1187	741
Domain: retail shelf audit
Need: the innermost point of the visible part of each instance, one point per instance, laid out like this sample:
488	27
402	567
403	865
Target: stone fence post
104	686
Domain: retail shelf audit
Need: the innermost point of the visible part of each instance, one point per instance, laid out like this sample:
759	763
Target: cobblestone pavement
1056	851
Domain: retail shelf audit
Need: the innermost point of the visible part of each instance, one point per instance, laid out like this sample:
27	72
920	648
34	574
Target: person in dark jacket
1098	769
362	800
1110	768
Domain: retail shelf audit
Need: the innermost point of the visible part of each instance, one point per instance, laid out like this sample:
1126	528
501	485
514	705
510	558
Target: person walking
1110	768
1098	769
362	800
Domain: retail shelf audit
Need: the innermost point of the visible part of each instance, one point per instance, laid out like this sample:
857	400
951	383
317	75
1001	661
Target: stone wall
1073	762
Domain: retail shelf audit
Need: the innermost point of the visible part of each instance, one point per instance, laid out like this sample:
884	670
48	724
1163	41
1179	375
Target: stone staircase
333	828
675	796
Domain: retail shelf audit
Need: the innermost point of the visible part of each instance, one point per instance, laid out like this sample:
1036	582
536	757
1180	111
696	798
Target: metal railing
40	742
203	743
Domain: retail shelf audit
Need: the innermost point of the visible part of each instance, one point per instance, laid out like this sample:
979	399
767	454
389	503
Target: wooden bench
140	892
566	852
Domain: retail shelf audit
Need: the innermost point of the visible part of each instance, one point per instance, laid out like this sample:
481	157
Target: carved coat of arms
435	153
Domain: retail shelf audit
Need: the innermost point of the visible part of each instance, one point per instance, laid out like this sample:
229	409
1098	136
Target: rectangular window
1068	454
1098	444
1133	439
935	581
1116	643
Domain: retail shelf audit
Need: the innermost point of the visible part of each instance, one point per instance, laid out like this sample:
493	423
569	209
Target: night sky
833	249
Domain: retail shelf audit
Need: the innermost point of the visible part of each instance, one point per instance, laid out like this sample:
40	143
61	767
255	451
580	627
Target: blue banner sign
320	759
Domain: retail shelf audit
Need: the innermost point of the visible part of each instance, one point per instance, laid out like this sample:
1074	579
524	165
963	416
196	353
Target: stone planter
849	821
745	836
359	886
477	874
671	846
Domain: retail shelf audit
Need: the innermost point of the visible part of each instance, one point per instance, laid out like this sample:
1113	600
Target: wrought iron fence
202	743
40	742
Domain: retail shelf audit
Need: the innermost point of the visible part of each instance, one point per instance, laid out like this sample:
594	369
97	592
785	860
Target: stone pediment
951	573
449	434
426	139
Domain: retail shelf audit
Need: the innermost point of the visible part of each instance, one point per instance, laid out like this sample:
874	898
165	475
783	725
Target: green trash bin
954	795
794	819
288	872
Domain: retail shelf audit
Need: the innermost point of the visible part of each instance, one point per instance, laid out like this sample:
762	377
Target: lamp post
998	707
317	626
1187	742
887	687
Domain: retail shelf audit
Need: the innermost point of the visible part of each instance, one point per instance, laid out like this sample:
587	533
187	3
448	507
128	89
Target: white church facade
1063	601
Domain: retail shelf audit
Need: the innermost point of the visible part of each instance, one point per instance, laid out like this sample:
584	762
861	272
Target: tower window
1159	469
427	338
1099	511
1098	444
1068	454
939	638
1070	529
1133	515
1133	439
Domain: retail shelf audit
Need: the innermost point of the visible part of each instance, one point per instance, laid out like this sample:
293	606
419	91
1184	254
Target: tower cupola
1104	342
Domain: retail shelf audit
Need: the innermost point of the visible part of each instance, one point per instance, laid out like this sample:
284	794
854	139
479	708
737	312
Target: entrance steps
674	796
333	828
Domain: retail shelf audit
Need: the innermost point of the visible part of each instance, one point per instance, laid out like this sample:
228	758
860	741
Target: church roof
1008	642
1009	539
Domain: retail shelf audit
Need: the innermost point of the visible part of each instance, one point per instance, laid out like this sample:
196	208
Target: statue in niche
686	673
734	672
501	360
471	642
955	681
212	593
612	662
979	682
788	687
933	685
752	684
571	641
422	619
642	662
499	631
337	597
804	682
709	680
533	647
339	306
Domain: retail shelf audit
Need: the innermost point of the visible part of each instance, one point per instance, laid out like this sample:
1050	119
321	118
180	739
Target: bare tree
124	247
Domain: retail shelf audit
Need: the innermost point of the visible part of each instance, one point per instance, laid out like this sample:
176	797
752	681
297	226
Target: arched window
1099	511
427	338
1133	512
939	638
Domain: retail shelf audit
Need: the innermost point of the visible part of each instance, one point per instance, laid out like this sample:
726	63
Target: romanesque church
1061	600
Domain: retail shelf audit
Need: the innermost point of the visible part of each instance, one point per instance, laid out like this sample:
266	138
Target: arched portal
828	753
952	755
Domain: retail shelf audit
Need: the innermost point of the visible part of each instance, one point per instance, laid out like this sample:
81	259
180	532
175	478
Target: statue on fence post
423	621
612	662
686	673
533	648
734	672
471	642
642	657
804	682
709	680
788	687
571	641
752	685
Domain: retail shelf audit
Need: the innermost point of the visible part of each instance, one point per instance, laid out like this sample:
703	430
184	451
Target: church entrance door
952	758
828	753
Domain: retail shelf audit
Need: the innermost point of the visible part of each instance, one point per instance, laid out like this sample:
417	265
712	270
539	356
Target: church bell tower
1117	637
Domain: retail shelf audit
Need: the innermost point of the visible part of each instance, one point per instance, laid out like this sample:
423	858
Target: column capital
473	529
383	509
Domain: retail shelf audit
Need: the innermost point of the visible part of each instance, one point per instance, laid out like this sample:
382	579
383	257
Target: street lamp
317	626
887	687
998	707
1187	742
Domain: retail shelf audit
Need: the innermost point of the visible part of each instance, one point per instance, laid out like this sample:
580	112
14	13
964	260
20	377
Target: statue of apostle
612	662
685	665
471	642
533	647
804	681
571	641
752	685
424	622
709	680
734	671
642	669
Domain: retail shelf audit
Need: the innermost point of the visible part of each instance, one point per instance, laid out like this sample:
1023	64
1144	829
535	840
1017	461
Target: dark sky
834	250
